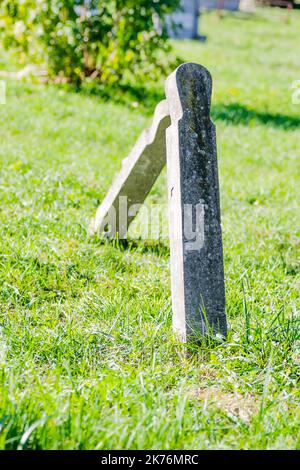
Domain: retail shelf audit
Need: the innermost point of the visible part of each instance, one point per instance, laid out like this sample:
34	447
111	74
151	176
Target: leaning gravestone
183	135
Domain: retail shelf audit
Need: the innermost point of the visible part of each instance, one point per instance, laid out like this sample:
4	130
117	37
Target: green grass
87	356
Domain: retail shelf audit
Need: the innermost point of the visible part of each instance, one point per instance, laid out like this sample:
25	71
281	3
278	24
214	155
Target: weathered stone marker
139	172
197	277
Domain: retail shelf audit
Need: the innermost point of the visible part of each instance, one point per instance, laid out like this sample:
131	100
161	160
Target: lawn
87	356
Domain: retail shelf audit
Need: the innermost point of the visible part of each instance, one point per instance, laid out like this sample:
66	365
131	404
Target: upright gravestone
197	277
183	23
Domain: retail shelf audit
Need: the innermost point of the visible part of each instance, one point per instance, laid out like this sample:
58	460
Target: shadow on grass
143	98
236	113
156	247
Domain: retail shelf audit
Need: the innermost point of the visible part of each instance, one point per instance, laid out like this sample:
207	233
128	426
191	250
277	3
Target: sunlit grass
86	349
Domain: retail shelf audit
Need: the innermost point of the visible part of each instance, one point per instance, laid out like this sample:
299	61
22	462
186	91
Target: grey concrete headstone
183	134
183	23
197	276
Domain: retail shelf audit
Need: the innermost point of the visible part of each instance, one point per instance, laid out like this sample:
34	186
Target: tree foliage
102	39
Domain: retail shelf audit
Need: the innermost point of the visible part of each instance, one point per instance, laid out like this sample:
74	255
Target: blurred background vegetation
91	39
